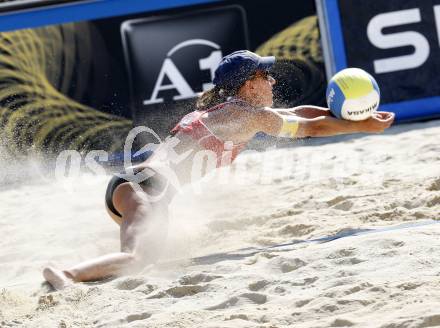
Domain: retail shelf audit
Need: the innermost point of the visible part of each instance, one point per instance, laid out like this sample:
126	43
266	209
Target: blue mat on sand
249	251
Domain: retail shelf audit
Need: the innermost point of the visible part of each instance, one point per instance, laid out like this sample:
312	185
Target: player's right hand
378	122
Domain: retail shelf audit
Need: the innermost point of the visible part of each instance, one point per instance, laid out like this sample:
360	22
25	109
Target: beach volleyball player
226	118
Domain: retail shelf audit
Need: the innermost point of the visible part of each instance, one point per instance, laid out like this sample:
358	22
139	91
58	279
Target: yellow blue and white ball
353	94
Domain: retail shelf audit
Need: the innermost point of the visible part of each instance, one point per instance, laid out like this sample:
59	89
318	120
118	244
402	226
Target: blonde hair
214	97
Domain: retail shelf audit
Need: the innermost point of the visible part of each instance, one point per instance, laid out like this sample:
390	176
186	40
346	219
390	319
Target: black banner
397	41
173	58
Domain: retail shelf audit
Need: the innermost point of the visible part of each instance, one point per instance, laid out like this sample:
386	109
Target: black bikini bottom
115	181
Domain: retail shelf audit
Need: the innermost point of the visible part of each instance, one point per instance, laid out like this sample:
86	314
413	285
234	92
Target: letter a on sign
178	82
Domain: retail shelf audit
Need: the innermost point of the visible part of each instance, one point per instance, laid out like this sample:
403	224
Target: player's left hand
378	122
384	116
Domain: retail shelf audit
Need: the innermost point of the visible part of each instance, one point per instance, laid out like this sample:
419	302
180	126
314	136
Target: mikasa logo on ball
355	108
330	96
353	94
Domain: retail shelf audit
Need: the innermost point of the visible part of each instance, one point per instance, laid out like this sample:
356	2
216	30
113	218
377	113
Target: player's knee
137	260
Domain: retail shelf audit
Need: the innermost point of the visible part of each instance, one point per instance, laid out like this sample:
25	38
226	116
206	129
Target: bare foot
57	278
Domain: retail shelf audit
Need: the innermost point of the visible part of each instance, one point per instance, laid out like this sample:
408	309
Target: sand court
382	279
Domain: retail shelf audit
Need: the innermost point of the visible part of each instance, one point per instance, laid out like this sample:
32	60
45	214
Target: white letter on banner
178	82
387	41
210	63
437	21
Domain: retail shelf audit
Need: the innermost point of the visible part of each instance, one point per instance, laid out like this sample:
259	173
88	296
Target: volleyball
353	94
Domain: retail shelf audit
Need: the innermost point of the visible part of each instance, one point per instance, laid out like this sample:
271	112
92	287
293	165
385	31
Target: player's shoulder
245	106
237	103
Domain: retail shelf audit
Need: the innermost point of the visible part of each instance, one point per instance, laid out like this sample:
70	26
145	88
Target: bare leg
135	227
58	279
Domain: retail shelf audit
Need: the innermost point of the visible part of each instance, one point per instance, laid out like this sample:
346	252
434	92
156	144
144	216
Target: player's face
261	86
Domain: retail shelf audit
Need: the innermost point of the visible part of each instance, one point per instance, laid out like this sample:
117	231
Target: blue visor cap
237	67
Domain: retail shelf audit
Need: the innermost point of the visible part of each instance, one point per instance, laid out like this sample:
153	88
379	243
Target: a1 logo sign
172	58
177	81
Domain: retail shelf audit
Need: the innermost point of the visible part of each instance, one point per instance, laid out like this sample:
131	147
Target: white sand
386	279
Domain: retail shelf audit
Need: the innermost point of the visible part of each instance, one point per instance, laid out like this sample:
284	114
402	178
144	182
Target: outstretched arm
305	111
293	126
